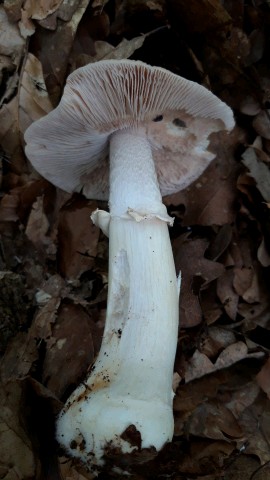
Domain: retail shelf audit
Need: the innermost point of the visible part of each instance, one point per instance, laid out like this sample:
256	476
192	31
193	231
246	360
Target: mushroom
155	127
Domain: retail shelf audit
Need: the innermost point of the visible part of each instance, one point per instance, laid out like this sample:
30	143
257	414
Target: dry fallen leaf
203	457
78	239
123	50
34	101
263	378
213	420
9	132
227	294
217	338
45	318
8	207
17	457
37	225
55	60
242	279
69	350
40	10
263	254
221	412
201	15
211	307
9	76
189	259
11	42
259	171
238	397
102	50
220	243
255	314
189	395
242	466
261	124
70	472
255	421
13	306
19	358
199	364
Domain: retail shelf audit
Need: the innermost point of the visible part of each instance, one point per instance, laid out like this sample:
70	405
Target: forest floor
54	262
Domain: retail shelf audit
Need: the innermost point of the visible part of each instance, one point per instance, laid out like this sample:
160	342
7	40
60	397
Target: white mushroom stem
131	382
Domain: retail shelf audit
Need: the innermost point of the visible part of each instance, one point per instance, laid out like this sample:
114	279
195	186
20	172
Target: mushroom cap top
70	145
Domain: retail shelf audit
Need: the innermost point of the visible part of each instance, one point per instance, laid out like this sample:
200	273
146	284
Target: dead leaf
220	243
10	135
43	8
257	46
205	456
191	394
8	76
239	253
259	171
211	308
54	286
253	294
16	450
71	11
55	60
223	45
258	145
123	50
13	306
263	378
34	101
70	472
229	387
199	364
240	396
263	254
216	339
226	293
11	42
255	314
255	422
69	350
242	279
26	26
262	472
19	358
231	354
250	106
189	259
78	239
37	225
105	51
214	420
8	208
45	318
261	125
13	9
201	16
241	466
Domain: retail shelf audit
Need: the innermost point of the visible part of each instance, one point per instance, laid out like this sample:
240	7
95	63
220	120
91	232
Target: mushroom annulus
130	133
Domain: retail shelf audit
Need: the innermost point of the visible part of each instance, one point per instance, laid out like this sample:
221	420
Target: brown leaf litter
53	261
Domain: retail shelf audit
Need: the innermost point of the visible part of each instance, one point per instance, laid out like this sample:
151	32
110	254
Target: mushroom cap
70	145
